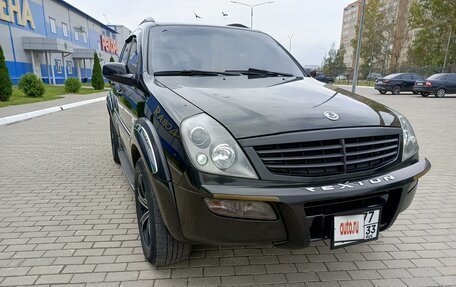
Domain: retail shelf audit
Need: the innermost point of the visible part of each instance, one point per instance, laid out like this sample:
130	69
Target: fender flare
147	141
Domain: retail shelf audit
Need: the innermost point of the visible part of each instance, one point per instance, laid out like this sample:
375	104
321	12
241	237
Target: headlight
212	149
410	142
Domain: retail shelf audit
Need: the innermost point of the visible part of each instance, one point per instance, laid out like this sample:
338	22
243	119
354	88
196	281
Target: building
396	12
54	40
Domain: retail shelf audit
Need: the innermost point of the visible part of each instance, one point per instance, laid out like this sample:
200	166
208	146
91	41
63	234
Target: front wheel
423	94
396	90
382	92
415	93
440	93
159	246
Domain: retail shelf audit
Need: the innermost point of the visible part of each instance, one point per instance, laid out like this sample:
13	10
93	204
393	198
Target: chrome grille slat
329	156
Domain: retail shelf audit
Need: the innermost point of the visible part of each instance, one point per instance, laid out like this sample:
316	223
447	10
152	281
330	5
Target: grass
107	85
360	83
52	93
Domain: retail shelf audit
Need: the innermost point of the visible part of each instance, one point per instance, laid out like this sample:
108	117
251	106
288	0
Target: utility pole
289	46
447	49
251	9
358	47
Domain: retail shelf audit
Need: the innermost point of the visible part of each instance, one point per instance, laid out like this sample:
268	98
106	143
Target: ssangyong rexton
226	140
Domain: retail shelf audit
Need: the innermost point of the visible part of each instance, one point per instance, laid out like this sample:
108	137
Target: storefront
54	40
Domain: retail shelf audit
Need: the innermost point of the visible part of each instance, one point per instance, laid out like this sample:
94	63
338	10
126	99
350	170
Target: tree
97	76
111	59
6	87
433	21
334	65
374	39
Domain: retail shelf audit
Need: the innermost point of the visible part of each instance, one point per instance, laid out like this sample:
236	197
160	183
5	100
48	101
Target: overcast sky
316	24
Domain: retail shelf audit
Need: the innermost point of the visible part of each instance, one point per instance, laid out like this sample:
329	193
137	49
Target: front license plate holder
355	228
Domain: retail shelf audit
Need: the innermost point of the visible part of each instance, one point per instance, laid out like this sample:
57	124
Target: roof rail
148	19
238	25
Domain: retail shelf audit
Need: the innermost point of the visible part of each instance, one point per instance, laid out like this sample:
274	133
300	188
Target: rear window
437	77
392	76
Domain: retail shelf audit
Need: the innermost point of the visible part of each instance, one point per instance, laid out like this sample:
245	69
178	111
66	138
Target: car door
408	81
130	98
451	83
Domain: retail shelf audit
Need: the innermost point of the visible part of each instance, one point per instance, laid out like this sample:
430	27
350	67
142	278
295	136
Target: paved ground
67	99
67	216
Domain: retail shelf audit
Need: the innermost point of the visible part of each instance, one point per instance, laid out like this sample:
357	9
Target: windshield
216	49
436	77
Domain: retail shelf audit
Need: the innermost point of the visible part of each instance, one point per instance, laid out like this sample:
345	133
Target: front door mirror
118	72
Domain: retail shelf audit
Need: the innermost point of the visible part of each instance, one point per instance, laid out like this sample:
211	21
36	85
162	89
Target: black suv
226	140
397	83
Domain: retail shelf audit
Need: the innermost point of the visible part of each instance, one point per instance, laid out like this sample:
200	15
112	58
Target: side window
451	77
133	58
124	56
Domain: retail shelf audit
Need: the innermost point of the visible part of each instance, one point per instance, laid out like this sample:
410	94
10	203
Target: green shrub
6	87
72	85
31	86
97	75
111	59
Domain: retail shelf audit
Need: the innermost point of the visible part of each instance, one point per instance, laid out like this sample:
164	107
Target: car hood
254	107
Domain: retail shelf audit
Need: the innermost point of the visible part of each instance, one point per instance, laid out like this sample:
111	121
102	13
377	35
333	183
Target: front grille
329	157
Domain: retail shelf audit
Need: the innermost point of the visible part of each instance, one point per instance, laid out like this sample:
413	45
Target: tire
424	94
440	93
396	90
330	83
159	246
114	143
382	92
415	93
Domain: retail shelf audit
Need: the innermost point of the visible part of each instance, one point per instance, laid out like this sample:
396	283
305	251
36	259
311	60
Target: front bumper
305	213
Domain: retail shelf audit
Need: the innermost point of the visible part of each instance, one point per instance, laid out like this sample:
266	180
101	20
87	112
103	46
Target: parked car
341	78
323	78
397	83
225	139
372	76
437	84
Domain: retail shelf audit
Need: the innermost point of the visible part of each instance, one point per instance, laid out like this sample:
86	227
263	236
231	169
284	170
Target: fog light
201	159
241	209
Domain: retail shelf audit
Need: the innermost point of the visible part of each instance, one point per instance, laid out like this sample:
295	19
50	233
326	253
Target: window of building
99	45
65	30
58	66
52	25
84	37
76	34
70	67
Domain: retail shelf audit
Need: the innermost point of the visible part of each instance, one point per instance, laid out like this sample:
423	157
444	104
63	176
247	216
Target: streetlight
251	9
358	48
289	46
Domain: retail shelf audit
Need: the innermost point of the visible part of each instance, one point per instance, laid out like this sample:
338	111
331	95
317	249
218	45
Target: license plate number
355	228
419	84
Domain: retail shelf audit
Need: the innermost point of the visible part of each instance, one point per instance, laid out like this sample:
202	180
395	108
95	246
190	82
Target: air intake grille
329	157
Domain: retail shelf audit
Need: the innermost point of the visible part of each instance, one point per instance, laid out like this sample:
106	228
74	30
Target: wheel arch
145	144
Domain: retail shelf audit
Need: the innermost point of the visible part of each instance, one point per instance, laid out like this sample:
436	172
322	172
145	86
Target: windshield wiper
260	73
195	73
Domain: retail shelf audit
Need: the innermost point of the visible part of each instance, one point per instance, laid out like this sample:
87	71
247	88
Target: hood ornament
331	116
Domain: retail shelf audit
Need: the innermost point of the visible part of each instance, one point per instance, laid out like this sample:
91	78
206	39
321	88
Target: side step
127	168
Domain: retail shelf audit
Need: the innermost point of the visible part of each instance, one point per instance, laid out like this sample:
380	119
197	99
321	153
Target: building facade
397	13
54	40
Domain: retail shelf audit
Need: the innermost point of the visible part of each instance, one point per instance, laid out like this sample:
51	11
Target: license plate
419	84
355	228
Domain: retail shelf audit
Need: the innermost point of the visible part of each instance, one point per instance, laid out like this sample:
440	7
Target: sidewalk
67	99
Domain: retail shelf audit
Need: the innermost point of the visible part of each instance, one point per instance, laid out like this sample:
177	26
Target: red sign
108	45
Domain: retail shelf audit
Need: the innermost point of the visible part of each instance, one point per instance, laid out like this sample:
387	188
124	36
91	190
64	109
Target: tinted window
451	77
392	76
124	56
216	49
133	58
437	77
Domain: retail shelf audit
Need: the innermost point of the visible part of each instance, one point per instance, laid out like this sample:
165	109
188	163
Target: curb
38	113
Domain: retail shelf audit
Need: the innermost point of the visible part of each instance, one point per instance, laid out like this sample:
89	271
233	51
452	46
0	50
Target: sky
314	24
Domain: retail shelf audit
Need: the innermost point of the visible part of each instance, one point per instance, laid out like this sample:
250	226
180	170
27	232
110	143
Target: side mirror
313	74
118	72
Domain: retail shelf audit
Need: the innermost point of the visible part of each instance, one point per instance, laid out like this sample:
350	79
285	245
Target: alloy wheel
440	93
142	210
